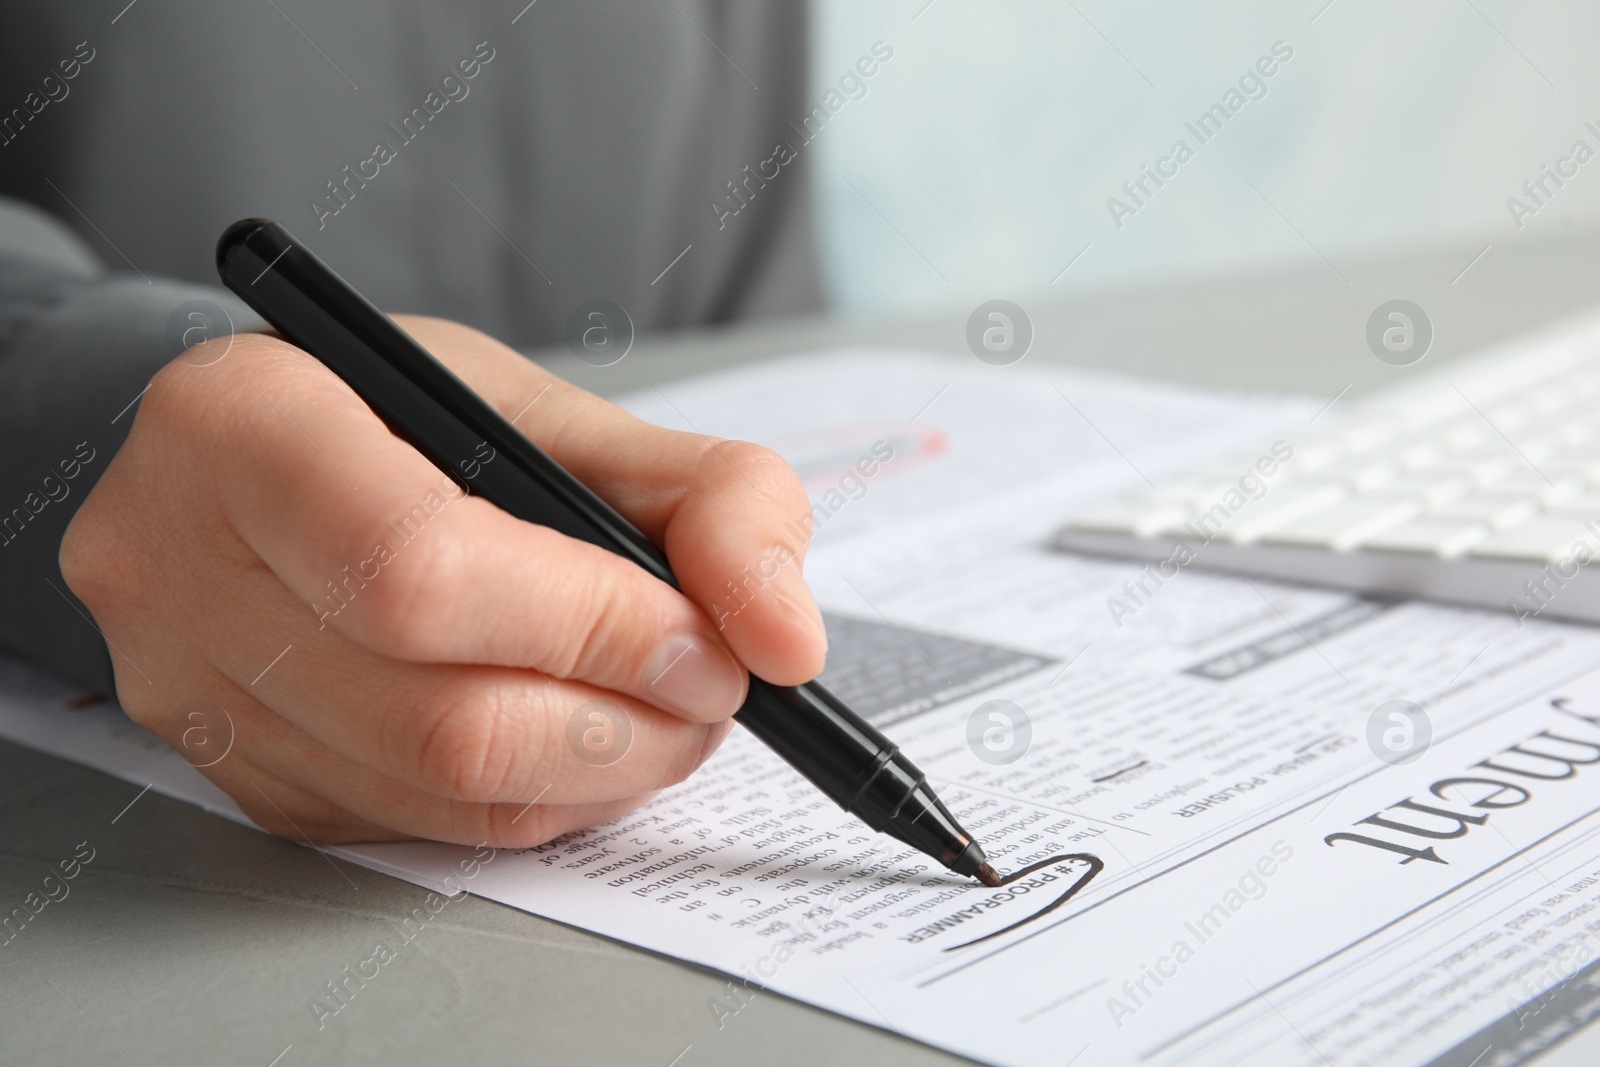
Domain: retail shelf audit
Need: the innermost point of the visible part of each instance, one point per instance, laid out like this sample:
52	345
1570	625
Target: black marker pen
442	418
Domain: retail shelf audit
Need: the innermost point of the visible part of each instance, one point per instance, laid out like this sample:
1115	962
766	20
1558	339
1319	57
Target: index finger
732	517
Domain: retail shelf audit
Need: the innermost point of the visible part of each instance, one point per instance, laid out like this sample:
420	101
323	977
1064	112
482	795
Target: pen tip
986	874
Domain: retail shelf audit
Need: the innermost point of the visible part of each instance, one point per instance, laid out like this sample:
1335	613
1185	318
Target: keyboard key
1482	467
1579	431
1546	400
1179	493
1539	450
1565	465
1497	509
1281	507
1581	452
1563	488
1511	418
1133	517
1466	433
1314	457
1422	453
1371	475
1533	483
1585	505
1546	446
1431	486
1429	535
1540	540
1343	526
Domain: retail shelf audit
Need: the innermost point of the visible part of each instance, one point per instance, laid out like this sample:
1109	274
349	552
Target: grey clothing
465	160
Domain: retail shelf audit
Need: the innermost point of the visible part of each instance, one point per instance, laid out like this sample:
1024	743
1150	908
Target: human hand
399	659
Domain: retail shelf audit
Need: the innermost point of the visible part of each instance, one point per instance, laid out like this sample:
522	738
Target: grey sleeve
78	345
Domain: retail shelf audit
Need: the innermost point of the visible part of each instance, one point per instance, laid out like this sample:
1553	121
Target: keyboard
1476	483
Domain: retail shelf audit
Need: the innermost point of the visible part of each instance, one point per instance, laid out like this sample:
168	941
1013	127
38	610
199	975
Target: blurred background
980	161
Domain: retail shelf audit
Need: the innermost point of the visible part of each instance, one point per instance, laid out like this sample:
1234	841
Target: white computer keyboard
1477	483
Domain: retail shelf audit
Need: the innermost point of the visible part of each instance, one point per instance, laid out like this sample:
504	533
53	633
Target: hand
399	659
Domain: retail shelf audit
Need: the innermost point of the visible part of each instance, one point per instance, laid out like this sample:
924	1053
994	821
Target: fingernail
790	590
694	677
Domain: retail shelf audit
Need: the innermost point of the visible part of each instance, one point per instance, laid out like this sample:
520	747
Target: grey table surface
190	939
